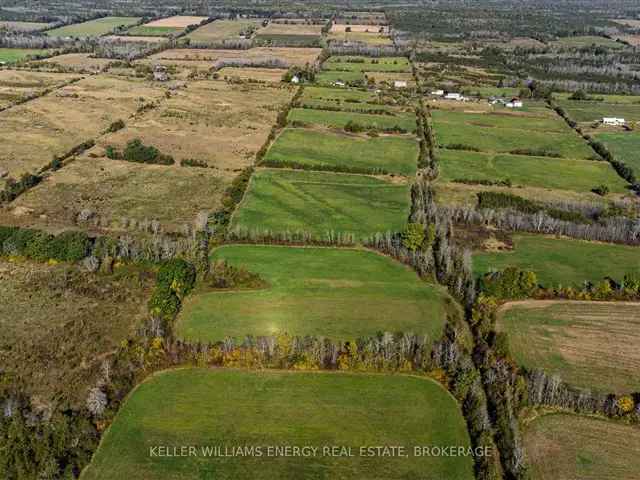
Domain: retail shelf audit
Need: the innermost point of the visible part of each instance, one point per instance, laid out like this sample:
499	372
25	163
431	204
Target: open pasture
567	447
177	21
93	28
356	28
367	64
625	147
590	345
18	85
271	75
525	170
504	133
272	408
290	29
584	111
333	77
12	55
221	30
318	203
22	26
586	41
347	99
54	124
404	121
344	152
361	37
341	294
77	62
563	261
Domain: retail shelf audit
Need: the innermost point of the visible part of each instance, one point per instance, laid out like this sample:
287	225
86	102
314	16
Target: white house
613	121
514	103
400	84
339	83
295	79
438	93
454	96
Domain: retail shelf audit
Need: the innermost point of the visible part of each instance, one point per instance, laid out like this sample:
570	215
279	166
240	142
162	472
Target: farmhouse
613	121
295	79
160	73
400	84
514	103
454	96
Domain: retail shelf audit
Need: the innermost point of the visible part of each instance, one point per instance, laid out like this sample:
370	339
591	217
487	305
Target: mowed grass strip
227	408
92	28
343	152
625	147
337	293
562	261
319	203
524	170
367	64
568	447
590	345
506	133
404	121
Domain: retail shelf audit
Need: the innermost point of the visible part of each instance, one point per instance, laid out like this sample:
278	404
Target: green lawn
582	342
343	152
619	99
319	202
92	28
144	31
524	170
625	146
337	293
505	133
570	447
231	409
11	55
406	121
367	64
594	111
562	261
328	77
338	94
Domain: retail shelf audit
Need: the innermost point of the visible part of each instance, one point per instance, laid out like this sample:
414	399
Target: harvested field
56	322
93	28
568	447
340	294
220	30
78	62
55	123
178	21
318	203
369	38
590	345
258	74
18	85
281	29
366	64
355	28
312	409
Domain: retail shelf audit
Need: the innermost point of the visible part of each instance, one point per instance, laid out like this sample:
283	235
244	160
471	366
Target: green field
524	170
226	408
484	91
319	202
586	41
590	345
405	121
92	28
338	94
367	64
625	146
336	293
223	29
594	111
11	55
342	152
329	77
562	261
505	133
570	447
606	98
144	31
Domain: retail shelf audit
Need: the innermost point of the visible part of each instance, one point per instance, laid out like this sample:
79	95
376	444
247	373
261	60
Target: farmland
565	447
18	85
282	408
403	121
77	62
625	147
562	261
165	26
23	26
575	175
363	64
594	111
220	30
340	294
12	55
586	41
319	203
588	344
344	152
93	28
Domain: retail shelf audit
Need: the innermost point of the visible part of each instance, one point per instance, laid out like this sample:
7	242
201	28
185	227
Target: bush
137	152
164	303
177	275
413	236
511	283
353	127
71	246
601	190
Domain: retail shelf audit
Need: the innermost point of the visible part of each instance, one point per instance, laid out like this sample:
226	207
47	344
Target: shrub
164	303
413	236
71	246
511	283
177	275
115	126
353	127
136	151
601	190
227	276
39	247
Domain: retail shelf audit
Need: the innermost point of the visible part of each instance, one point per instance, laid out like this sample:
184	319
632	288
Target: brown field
633	40
588	344
571	447
289	29
222	30
56	323
55	123
179	21
79	62
23	26
374	29
16	85
210	121
260	74
129	38
629	22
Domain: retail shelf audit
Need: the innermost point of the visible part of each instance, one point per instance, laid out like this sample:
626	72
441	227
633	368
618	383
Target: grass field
319	202
233	409
508	132
405	121
586	41
594	111
271	75
22	26
78	62
367	64
145	31
590	345
576	175
570	447
340	294
327	149
222	30
17	85
562	261
293	30
329	77
625	146
348	95
12	55
363	37
92	28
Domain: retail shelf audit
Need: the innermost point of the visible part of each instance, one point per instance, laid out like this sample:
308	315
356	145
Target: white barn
613	121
